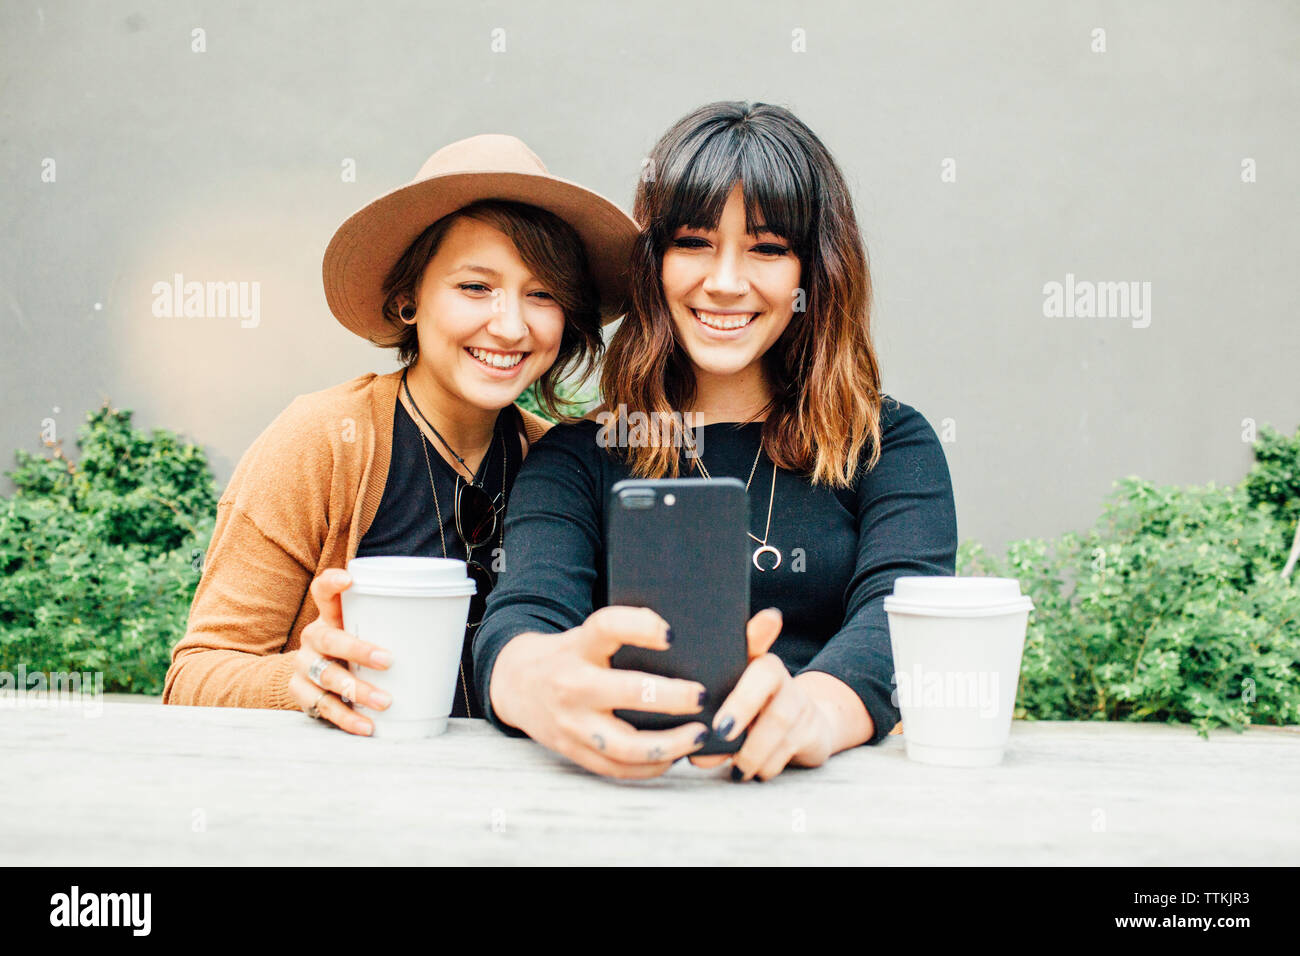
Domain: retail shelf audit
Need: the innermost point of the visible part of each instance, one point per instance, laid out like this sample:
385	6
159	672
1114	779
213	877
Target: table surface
130	784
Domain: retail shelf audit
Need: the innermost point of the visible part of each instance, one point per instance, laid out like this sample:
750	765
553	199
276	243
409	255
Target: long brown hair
825	410
550	247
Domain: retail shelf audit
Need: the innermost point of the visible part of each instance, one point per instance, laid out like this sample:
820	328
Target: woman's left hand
786	723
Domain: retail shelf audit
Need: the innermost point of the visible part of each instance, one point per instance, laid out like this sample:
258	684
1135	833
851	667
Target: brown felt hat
490	166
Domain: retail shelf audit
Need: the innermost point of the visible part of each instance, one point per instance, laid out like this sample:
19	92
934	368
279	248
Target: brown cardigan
300	501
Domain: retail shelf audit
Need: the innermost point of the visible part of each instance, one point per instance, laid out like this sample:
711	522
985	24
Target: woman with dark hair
487	274
750	312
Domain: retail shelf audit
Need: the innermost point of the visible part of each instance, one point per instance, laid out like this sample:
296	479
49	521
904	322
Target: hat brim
365	248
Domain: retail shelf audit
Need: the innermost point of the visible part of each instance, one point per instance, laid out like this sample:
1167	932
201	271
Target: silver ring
317	668
313	711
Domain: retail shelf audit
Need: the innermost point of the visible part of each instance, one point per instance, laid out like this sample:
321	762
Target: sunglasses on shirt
477	514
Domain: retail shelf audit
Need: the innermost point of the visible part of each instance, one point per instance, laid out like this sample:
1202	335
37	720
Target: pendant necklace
469	551
763	547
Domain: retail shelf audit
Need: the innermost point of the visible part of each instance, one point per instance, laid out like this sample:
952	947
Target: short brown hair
550	247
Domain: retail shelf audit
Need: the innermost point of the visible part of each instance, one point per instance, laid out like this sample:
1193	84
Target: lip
723	335
491	370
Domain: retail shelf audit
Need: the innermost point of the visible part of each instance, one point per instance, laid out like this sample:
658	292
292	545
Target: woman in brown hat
487	274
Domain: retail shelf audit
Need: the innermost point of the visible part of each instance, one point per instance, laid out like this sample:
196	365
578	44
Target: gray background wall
1115	166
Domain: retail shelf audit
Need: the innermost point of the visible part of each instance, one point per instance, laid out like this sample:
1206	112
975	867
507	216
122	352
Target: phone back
679	546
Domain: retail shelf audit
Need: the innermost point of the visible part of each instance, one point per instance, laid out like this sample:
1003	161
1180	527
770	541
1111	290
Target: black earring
407	312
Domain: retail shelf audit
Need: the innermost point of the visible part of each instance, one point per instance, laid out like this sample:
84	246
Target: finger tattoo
656	753
599	741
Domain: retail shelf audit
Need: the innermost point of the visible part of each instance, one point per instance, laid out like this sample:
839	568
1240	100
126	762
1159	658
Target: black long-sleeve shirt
841	549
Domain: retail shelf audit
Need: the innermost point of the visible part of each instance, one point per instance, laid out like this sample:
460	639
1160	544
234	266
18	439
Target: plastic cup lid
410	575
935	594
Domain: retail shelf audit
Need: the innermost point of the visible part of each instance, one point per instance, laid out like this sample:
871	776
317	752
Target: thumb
762	631
712	760
325	591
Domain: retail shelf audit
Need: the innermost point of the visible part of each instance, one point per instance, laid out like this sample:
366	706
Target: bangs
780	187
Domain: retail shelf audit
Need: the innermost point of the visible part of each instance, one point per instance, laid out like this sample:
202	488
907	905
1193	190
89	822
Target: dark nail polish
669	637
704	695
737	774
724	728
703	736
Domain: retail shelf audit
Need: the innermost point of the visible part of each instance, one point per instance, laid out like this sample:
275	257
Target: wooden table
146	784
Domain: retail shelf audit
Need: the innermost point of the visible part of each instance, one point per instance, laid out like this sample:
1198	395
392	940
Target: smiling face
730	291
488	328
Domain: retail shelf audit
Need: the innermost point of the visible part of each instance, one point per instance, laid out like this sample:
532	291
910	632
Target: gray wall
1115	166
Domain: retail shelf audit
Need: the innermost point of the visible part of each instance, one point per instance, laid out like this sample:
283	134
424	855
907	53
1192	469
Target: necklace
445	444
763	546
469	551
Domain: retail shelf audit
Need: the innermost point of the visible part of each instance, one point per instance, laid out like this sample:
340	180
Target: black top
406	521
841	549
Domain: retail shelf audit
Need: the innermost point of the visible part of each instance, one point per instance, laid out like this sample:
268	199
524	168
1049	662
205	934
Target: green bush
99	558
1171	608
577	399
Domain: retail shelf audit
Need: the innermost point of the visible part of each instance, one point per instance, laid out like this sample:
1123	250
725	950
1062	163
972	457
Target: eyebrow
481	270
758	230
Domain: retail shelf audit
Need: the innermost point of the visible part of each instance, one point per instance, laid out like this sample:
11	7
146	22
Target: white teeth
715	320
497	359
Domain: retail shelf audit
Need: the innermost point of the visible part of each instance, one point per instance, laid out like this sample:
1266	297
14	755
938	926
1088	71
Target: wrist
842	710
501	693
282	696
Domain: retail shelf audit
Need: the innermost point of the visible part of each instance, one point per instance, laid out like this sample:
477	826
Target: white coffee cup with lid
416	609
957	644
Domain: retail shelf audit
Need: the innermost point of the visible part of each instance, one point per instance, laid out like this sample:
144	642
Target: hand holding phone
760	633
561	691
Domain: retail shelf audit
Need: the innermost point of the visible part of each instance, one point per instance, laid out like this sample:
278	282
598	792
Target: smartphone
679	546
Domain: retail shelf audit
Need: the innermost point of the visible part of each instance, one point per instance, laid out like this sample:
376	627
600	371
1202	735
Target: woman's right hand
560	690
338	686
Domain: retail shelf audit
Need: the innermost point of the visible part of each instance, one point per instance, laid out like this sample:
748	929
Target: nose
726	277
507	324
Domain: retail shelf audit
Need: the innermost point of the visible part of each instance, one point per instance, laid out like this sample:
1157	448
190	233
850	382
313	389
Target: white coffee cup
416	609
957	645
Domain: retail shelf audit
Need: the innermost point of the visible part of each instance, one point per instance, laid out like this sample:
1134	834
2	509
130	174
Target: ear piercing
407	312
